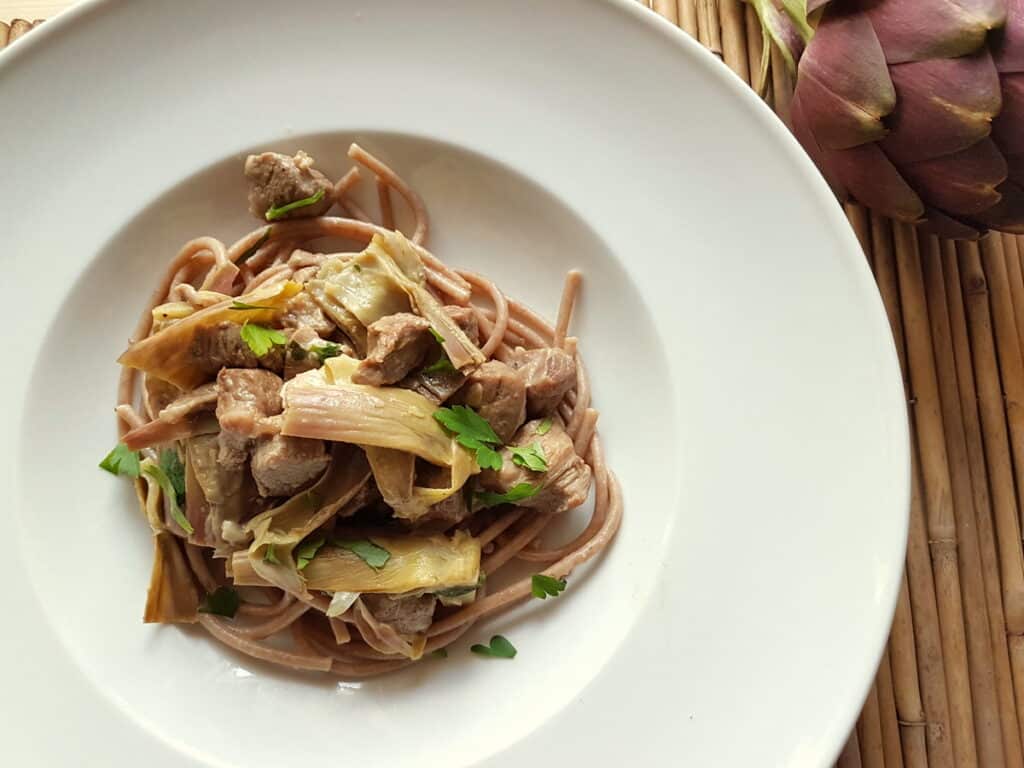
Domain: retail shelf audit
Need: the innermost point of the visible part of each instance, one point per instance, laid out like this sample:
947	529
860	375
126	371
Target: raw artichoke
913	108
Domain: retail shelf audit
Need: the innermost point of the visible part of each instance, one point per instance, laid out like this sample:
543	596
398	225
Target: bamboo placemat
950	688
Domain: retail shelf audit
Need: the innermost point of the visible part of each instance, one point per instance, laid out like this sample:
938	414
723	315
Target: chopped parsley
440	653
515	494
529	456
275	212
326	351
307	551
223	601
170	493
243	305
441	365
374	556
121	461
260	338
544	427
472	431
175	471
436	335
499	648
269	556
251	250
541	586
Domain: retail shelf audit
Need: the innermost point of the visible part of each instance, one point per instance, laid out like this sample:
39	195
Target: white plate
751	400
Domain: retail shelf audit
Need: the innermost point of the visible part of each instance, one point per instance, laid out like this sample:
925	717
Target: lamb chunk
282	465
549	374
302	312
436	386
221	346
465	318
395	345
498	393
203	398
564	486
276	180
407	615
246	398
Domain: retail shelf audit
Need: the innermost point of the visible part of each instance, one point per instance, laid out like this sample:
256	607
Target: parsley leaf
171	494
243	305
223	601
175	471
499	648
374	556
121	461
269	556
326	351
544	427
441	365
251	250
541	586
436	335
472	431
260	338
440	653
307	551
516	493
529	456
275	212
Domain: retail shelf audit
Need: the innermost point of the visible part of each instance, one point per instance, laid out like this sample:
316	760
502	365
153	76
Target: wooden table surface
31	9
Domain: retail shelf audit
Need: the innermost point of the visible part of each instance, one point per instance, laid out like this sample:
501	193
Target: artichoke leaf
167	354
172	596
427	563
285	526
394	473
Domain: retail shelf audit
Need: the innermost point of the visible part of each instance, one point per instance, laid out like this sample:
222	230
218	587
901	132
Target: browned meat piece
549	374
408	615
436	386
221	346
564	486
246	398
395	345
200	399
498	393
302	312
276	180
465	318
282	465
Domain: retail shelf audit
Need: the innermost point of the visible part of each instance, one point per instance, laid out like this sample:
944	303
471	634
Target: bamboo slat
950	688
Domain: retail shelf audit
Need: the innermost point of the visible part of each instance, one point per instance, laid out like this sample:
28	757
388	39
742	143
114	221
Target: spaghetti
279	618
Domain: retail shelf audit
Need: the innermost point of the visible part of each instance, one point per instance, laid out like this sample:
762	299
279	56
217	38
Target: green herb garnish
251	250
275	212
260	338
170	493
175	471
243	305
499	648
516	493
307	551
541	586
436	335
326	351
441	365
269	556
544	427
440	653
121	461
223	601
529	456
472	431
374	556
